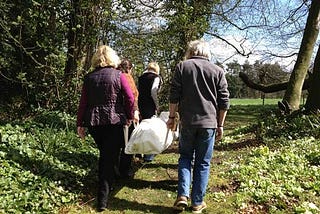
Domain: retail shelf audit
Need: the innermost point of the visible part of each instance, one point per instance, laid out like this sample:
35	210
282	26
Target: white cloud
225	53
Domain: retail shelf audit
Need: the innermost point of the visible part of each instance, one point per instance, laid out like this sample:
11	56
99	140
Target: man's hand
219	133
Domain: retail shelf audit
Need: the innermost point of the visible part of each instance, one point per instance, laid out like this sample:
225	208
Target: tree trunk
292	95
71	63
313	100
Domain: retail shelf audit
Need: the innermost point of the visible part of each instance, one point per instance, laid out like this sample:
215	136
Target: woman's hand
170	124
81	132
136	117
128	122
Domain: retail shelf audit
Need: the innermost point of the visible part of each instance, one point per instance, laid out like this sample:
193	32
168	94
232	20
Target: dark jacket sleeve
176	86
223	93
82	106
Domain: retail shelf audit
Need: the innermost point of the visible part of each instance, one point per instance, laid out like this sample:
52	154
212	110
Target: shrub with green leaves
274	125
43	166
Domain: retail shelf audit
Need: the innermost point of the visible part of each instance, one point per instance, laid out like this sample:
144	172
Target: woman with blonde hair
106	105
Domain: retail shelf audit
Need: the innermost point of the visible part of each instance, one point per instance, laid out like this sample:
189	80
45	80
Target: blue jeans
197	144
148	157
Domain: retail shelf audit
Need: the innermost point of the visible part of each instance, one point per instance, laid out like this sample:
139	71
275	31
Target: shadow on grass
169	185
80	159
238	145
157	165
123	204
173	148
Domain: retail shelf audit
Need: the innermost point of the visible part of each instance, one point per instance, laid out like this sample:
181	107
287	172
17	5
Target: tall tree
160	31
282	28
292	95
34	55
87	22
73	38
313	101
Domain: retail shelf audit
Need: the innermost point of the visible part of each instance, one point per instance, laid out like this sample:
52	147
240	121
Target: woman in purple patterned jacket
106	105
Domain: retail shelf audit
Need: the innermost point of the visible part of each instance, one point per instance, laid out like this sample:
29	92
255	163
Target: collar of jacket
199	57
149	71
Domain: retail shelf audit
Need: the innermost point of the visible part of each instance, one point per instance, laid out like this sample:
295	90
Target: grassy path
153	189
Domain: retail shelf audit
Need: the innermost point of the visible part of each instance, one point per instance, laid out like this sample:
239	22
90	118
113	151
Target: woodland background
46	46
269	158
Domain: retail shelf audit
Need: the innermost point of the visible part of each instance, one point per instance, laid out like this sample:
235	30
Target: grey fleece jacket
200	89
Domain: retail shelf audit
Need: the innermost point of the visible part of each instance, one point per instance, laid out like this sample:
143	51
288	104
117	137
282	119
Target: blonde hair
154	66
198	48
105	56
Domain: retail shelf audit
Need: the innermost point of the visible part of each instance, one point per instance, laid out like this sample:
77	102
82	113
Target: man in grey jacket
199	91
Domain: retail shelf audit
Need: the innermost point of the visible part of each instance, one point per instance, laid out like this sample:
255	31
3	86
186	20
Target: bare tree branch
241	52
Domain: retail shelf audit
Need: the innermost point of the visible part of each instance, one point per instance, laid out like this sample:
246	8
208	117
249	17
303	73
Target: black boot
103	196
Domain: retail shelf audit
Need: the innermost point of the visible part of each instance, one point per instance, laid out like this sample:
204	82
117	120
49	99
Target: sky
279	40
224	53
258	39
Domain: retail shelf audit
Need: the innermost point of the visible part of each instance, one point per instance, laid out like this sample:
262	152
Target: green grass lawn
236	102
258	102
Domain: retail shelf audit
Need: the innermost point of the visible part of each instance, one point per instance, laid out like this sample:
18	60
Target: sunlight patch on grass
236	101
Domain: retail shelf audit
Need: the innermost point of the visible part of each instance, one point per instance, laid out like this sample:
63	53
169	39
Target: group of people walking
110	99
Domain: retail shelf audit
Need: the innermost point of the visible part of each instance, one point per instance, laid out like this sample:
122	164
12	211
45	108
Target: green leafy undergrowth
283	179
43	167
273	165
274	125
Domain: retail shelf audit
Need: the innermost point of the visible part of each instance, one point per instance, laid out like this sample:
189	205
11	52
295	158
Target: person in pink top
125	163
